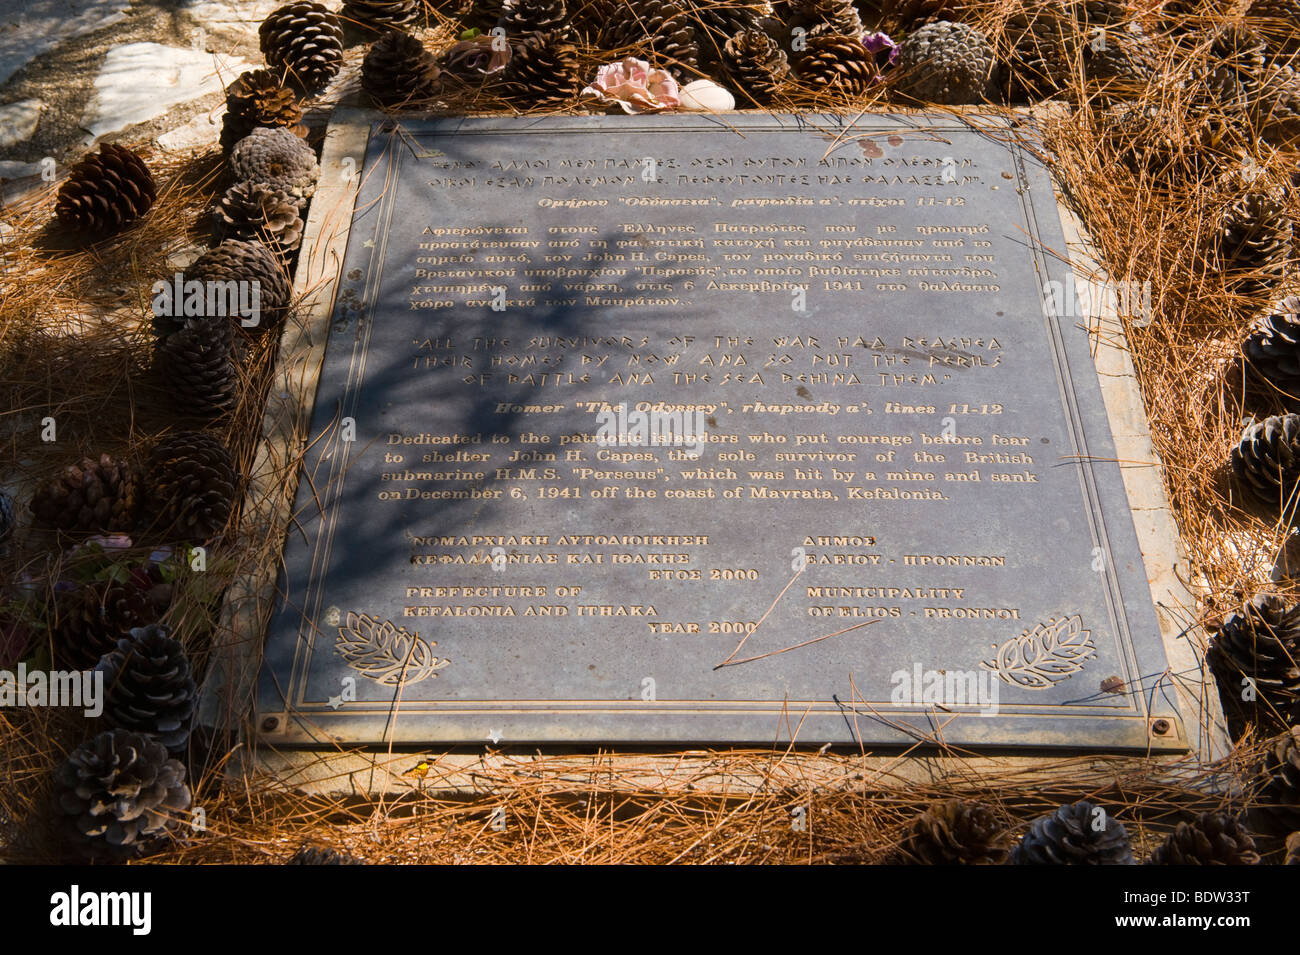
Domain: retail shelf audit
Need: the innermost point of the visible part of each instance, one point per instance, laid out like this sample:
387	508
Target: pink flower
634	86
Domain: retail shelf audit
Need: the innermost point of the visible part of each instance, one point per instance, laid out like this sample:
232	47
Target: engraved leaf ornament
385	652
1045	655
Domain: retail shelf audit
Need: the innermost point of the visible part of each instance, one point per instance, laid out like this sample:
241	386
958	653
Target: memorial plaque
681	429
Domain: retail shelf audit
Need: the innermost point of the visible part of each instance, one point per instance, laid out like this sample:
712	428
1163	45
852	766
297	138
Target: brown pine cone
1276	812
1277	110
322	855
957	832
1080	833
544	71
756	65
193	487
254	211
831	17
89	621
947	63
837	63
520	19
197	366
105	191
715	23
1213	839
119	794
399	73
659	31
247	262
912	13
381	15
150	686
256	99
277	158
1038	64
1120	63
1254	658
1234	71
90	497
303	43
1272	350
1278	21
1254	240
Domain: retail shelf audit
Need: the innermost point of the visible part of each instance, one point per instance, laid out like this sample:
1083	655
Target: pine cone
322	855
1293	849
944	62
837	17
1277	111
1038	65
1254	241
839	63
1261	642
717	22
120	793
543	72
1266	461
255	212
522	18
1069	836
105	191
1169	148
1120	63
303	43
1213	839
381	15
1272	350
150	687
1278	21
474	60
399	73
276	157
756	65
913	13
8	520
193	491
659	31
197	365
957	832
1277	810
246	262
1182	19
479	14
256	99
1234	73
90	497
89	621
1100	13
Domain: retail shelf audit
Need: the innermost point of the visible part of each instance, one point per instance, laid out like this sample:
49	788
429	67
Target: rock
139	81
706	96
202	130
18	121
31	27
239	16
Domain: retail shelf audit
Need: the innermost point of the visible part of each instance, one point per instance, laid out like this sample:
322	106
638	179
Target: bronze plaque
682	429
